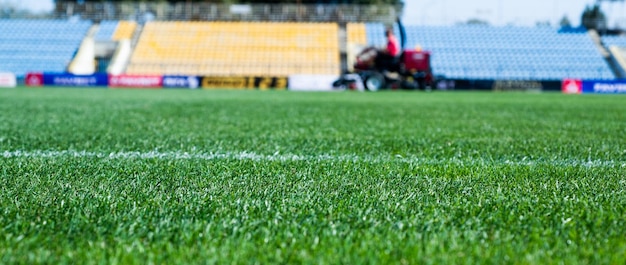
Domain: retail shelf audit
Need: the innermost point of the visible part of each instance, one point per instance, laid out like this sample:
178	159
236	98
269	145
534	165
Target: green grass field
93	176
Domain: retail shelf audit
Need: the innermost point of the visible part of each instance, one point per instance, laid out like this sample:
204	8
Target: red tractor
410	70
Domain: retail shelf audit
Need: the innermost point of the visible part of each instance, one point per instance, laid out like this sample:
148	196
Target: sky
448	12
505	12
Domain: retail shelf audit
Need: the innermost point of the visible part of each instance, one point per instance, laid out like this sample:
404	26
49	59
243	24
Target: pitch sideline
252	156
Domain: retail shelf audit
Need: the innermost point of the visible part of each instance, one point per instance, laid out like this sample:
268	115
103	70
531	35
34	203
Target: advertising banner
577	86
66	79
244	82
516	85
191	82
8	80
604	87
34	79
313	82
136	81
572	86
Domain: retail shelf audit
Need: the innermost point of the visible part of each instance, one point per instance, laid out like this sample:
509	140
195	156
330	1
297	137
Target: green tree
565	22
594	18
392	2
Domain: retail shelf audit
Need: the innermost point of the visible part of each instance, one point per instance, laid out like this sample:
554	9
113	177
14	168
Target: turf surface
178	176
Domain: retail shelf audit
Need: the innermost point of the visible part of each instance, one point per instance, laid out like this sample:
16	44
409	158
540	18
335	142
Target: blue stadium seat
106	30
39	45
511	53
614	41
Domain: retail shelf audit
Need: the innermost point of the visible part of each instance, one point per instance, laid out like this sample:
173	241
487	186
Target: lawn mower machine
409	70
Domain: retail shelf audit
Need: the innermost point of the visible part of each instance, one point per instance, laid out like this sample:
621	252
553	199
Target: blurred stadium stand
356	39
39	45
106	30
614	40
504	53
284	39
356	33
111	38
236	48
110	30
617	48
124	30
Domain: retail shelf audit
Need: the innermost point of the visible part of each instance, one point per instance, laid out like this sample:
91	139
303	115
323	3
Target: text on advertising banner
572	86
8	80
172	81
34	79
244	82
604	87
66	79
136	81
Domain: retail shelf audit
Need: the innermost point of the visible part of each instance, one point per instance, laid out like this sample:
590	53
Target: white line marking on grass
252	156
245	155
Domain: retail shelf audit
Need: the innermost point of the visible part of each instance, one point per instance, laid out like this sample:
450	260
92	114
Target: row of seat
356	34
106	30
216	58
525	75
111	30
225	69
17	45
208	48
614	40
124	30
235	47
39	45
502	52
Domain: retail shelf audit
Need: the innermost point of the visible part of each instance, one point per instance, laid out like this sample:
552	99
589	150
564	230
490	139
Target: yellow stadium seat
237	48
124	30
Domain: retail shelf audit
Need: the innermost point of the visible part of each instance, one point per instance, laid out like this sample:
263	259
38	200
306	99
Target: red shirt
392	46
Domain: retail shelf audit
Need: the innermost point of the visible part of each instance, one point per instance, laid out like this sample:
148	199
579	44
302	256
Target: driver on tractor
380	59
386	58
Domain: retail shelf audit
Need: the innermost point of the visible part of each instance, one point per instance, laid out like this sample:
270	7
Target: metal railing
192	11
